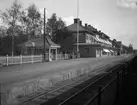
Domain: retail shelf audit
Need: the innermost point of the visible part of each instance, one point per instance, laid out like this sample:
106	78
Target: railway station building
91	42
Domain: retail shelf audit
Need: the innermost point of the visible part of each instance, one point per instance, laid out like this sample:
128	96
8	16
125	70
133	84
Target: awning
109	43
94	38
100	40
111	50
106	50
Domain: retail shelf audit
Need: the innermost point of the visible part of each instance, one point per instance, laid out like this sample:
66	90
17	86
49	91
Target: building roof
39	42
73	28
117	44
125	47
91	29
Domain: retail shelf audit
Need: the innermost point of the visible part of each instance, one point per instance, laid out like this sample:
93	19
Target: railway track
83	92
71	88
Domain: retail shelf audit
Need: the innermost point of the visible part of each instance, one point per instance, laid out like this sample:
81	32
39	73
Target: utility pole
44	52
12	53
77	27
12	44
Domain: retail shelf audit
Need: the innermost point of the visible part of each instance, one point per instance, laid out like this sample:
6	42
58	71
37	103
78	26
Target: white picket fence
11	60
62	56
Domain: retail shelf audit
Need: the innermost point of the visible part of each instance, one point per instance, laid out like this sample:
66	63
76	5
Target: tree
3	31
60	24
33	20
53	25
24	22
11	18
130	48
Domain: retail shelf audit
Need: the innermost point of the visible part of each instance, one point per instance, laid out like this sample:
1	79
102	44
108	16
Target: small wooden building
35	46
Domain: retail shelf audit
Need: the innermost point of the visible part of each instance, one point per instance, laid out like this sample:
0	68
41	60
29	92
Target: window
87	50
86	39
98	51
92	40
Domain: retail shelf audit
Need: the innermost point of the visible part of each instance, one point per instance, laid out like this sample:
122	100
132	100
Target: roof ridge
47	40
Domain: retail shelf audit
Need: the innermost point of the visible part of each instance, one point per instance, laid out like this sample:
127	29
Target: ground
18	73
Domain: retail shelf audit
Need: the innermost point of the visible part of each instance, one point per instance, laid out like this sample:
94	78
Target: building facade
90	43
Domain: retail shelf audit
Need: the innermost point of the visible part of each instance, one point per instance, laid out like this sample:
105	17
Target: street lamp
77	28
44	58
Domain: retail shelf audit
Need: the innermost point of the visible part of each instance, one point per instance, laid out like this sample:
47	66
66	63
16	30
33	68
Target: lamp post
44	55
77	28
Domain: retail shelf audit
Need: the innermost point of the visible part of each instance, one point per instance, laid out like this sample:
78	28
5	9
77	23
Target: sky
116	18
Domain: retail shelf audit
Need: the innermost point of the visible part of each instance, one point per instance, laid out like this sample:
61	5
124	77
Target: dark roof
117	44
73	28
39	42
88	28
125	47
91	28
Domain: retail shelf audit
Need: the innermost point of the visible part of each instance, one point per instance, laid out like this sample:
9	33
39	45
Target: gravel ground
18	73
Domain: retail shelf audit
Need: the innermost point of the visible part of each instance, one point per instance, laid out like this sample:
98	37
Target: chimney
89	25
76	20
86	24
80	23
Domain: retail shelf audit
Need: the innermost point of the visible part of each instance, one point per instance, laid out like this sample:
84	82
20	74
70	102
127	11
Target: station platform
18	73
19	80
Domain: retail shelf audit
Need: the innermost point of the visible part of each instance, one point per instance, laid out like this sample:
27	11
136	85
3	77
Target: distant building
124	49
135	51
119	47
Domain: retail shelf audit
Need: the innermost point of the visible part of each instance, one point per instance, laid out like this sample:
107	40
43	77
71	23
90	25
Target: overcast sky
116	18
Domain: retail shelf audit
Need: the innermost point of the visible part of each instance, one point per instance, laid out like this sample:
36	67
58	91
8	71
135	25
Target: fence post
20	59
7	60
31	58
41	57
12	57
65	56
56	58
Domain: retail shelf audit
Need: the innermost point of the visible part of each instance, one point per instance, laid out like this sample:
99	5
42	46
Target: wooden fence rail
21	59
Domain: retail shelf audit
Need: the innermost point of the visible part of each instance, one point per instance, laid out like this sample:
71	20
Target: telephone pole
44	52
12	39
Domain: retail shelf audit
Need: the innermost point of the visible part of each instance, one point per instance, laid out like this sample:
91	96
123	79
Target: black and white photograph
68	52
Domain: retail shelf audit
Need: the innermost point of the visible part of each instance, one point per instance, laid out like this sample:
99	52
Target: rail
71	84
101	88
116	72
